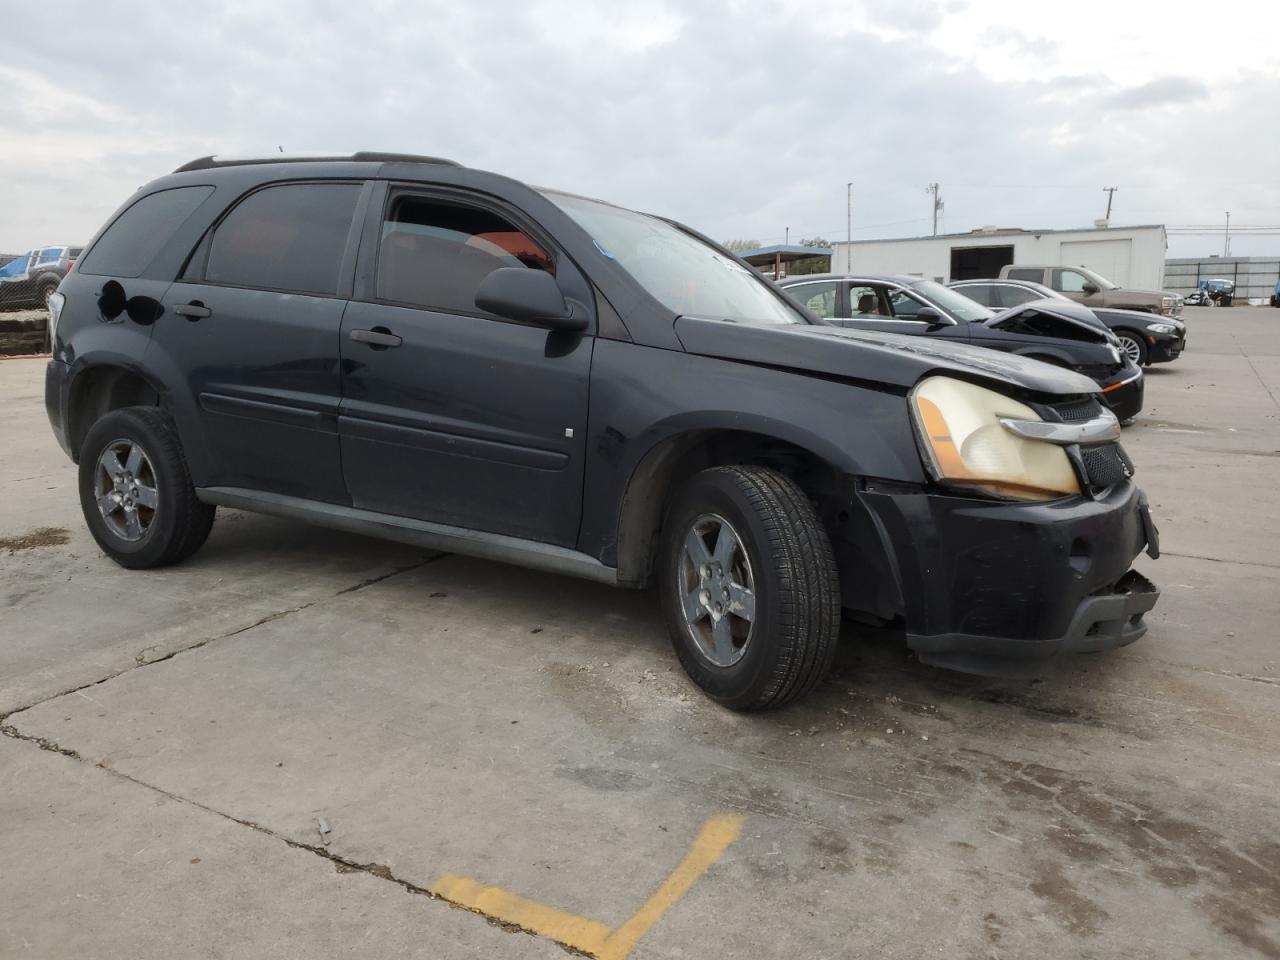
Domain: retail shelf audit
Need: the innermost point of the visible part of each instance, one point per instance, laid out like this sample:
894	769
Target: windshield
952	301
685	275
16	267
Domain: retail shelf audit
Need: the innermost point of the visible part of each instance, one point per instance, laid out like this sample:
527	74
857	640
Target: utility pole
848	213
1110	192
788	240
1226	237
937	205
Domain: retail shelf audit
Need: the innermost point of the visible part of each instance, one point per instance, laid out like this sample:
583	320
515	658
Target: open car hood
1073	316
892	359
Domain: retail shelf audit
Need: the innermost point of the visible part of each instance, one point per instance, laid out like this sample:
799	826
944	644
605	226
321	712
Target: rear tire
775	564
136	491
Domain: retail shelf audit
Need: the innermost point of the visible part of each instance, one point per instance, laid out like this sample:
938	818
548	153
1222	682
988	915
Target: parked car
1275	295
1199	297
1220	292
29	280
1059	332
1094	290
406	348
1143	338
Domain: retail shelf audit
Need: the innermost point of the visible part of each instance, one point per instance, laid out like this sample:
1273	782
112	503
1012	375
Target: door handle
379	338
195	310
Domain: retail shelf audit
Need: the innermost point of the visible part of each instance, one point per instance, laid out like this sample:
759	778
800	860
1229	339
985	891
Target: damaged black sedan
1059	332
450	358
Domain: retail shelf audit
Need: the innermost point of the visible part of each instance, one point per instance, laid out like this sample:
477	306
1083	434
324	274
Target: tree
820	264
741	246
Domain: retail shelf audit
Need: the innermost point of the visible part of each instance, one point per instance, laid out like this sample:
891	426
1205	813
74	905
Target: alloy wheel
717	590
1131	349
124	486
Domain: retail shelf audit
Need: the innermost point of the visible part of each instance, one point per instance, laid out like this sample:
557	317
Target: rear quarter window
141	231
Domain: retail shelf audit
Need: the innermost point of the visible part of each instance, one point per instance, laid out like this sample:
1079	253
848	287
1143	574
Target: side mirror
1089	289
529	296
931	316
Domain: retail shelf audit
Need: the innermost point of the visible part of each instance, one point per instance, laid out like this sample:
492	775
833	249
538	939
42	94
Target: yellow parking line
577	932
712	841
589	936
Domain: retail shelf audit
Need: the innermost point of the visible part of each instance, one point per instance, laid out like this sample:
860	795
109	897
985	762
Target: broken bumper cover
1124	395
999	588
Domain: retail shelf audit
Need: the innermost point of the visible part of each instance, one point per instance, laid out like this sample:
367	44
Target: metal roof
983	232
788	253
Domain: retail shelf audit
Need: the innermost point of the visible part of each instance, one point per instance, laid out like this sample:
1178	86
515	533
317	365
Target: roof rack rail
363	156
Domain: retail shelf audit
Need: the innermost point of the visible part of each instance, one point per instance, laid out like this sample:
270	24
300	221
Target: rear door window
817	297
1035	275
434	253
141	231
288	237
1011	296
981	292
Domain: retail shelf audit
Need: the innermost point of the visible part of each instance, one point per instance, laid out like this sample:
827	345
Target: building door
979	263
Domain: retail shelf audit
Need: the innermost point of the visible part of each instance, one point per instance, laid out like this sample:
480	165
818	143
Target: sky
744	120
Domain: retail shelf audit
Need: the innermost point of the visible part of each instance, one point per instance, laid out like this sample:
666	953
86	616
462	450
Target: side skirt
435	536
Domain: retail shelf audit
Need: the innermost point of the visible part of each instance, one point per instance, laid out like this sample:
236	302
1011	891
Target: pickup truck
1094	290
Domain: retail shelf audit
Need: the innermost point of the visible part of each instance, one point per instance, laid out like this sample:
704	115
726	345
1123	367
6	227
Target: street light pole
848	226
1226	237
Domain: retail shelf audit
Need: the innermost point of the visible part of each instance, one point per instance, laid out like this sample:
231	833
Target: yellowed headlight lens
964	443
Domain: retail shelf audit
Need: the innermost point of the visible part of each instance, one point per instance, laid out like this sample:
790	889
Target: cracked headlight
965	445
1161	328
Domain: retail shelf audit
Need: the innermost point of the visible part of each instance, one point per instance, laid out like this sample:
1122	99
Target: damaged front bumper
999	588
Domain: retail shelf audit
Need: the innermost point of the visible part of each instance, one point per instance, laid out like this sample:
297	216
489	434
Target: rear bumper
1000	588
57	379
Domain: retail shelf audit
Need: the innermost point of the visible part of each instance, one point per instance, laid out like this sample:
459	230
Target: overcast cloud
741	119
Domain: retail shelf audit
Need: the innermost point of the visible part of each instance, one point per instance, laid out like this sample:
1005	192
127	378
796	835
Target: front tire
136	492
749	585
1133	346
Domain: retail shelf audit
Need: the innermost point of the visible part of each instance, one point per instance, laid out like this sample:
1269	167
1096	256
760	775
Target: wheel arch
98	388
826	476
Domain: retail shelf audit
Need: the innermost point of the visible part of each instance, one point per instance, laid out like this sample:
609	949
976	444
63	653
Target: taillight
56	303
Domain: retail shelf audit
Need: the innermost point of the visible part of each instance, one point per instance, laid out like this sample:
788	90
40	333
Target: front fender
644	400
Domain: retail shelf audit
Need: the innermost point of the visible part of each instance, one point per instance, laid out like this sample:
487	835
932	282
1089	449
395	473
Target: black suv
404	347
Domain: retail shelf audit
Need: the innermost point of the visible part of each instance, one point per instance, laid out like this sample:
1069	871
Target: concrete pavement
447	718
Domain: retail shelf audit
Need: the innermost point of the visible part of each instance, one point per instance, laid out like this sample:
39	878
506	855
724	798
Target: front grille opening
1076	411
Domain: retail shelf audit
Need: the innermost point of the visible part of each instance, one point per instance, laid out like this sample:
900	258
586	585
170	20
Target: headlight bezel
1047	472
1167	329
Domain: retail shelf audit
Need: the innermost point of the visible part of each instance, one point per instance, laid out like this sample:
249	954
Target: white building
1130	256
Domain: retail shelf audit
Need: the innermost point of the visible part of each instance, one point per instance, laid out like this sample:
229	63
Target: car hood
893	359
1066	318
1134	317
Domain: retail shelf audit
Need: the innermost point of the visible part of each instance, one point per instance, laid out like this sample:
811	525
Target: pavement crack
341	864
395	572
141	659
1242	563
